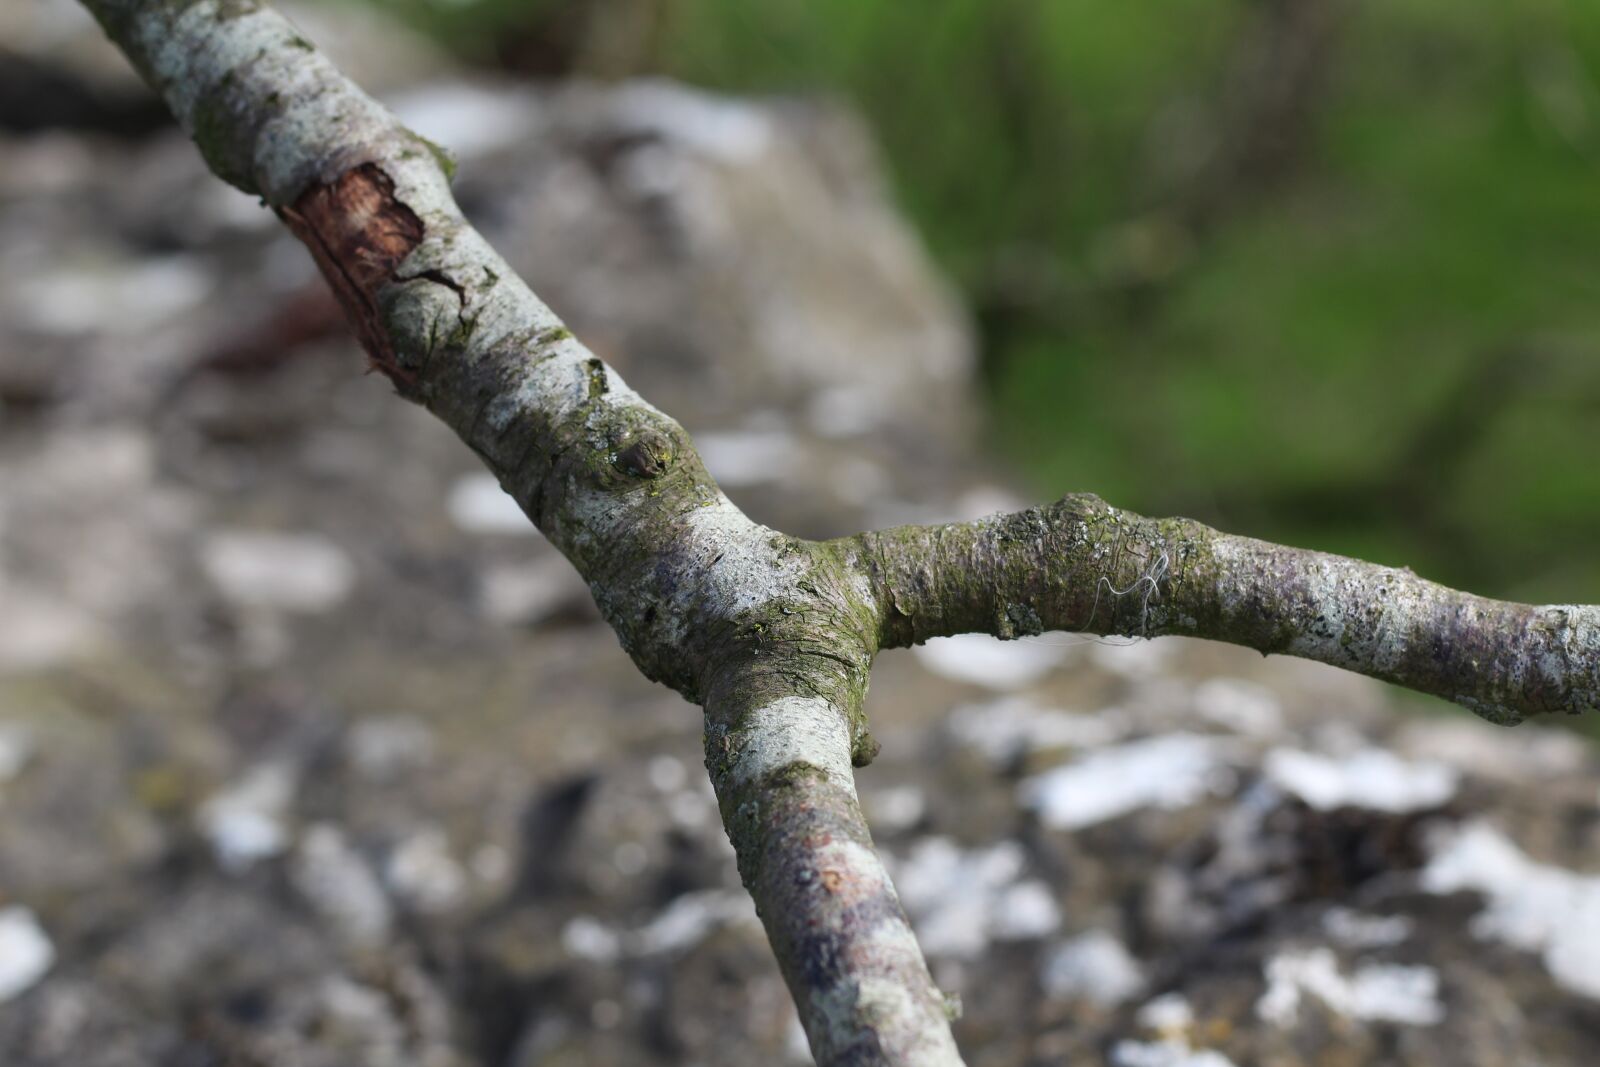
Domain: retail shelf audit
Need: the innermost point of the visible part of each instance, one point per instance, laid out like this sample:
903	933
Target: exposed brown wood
359	233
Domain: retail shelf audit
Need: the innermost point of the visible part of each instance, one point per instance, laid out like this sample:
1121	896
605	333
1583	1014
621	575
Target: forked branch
774	636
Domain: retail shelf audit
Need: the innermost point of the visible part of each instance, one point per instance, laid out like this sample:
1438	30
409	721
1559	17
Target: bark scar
359	233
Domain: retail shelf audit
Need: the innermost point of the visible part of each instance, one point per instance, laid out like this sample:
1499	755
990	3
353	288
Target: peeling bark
773	635
359	234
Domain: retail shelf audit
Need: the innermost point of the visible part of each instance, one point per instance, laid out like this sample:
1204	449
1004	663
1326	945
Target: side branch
1080	565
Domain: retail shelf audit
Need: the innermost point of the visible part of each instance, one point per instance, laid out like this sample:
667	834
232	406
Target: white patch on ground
490	863
424	874
845	411
1165	1054
348	1015
794	730
1532	906
26	953
858	480
629	858
224	208
667	774
898	807
1370	778
1239	706
984	501
478	505
959	900
587	938
655	170
521	594
339	885
38	629
1491	752
1169	772
1014	726
112	460
245	822
289	572
1094	967
1026	911
1379	992
16	749
1354	929
724	130
979	659
605	1014
469	120
693	808
1168	1015
748	458
383	749
1133	658
687	920
121	298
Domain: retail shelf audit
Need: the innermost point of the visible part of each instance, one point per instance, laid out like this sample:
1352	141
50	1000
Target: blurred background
313	752
1321	270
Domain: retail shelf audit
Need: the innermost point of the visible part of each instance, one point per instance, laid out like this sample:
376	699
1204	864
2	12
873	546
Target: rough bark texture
773	635
723	610
1081	565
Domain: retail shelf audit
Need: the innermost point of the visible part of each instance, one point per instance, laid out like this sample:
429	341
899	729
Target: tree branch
775	635
1080	565
780	760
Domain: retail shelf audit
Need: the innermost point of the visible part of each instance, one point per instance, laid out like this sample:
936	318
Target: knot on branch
647	456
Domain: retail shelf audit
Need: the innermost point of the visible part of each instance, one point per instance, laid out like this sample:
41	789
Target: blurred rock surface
312	753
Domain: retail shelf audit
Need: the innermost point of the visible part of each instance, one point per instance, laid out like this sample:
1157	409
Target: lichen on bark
1080	565
773	635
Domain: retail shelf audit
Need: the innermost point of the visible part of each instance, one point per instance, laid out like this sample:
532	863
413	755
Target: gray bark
1083	566
774	636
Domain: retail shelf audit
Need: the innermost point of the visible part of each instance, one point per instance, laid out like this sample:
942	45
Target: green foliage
468	25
